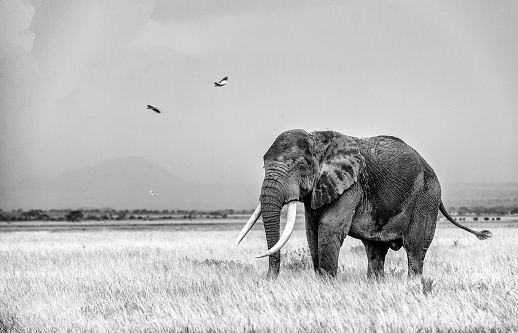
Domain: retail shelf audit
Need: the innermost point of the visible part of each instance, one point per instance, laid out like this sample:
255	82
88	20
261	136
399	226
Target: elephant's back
391	170
388	149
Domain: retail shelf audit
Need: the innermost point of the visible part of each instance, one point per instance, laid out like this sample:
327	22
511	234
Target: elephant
378	190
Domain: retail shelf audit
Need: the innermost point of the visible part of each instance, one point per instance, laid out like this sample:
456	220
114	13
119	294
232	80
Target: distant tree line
481	210
103	214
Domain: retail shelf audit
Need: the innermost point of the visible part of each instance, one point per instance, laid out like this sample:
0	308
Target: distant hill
480	194
124	183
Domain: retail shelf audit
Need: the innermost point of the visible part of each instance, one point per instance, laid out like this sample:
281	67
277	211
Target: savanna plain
199	281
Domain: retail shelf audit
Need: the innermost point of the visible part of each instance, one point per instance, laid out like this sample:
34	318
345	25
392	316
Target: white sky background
75	78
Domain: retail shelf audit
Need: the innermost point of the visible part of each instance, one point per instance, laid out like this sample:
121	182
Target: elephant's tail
484	234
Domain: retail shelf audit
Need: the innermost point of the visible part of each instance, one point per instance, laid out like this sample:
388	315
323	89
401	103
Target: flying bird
154	108
151	193
221	83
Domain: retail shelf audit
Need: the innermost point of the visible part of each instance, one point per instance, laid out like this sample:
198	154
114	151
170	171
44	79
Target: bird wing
154	108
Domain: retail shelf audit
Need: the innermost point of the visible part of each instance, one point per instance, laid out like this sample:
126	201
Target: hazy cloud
75	78
70	37
186	10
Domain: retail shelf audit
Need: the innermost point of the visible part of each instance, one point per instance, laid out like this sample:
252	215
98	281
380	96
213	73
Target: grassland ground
197	281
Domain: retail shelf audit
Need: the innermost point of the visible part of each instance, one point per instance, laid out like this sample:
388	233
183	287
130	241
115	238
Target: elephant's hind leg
420	234
415	262
416	246
417	243
376	252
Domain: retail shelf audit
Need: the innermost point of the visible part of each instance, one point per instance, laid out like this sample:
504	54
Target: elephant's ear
338	171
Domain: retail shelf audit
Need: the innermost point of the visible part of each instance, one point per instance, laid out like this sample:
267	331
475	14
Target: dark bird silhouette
221	83
154	108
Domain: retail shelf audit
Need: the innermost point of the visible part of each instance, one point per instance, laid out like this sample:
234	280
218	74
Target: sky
75	78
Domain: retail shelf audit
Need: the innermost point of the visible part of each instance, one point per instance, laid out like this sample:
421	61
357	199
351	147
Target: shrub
297	260
427	284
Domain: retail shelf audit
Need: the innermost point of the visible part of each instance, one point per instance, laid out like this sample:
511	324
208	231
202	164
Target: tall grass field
198	281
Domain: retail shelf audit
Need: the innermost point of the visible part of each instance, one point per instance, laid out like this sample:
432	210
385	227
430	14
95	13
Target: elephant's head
316	166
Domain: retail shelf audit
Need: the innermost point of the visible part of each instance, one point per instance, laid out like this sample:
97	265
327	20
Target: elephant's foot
415	262
272	275
375	275
323	272
415	270
274	266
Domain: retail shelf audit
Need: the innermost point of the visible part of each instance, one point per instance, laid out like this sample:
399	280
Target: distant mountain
124	183
480	194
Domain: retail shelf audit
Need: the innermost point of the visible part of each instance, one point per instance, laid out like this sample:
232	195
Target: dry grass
165	281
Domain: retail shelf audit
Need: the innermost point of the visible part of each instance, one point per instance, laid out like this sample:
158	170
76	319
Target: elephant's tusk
290	223
249	224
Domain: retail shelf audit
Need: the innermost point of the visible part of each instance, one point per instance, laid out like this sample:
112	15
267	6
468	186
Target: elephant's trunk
271	219
288	229
274	194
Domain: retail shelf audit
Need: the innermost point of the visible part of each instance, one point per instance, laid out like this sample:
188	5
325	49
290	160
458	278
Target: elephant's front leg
333	226
329	243
312	236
